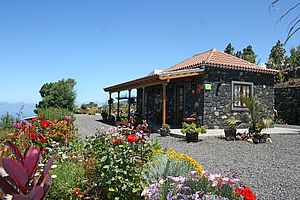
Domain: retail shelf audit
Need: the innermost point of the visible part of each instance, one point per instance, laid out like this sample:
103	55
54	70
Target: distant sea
14	108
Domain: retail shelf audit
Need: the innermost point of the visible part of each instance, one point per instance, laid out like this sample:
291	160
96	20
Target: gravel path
89	124
272	170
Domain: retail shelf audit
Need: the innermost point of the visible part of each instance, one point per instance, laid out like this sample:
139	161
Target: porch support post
118	110
129	103
143	102
164	103
109	106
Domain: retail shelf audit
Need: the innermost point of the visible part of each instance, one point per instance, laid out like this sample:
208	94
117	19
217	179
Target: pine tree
248	54
229	49
294	60
276	57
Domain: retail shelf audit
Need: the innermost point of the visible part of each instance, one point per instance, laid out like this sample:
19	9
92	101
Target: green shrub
54	113
119	162
6	121
104	115
70	177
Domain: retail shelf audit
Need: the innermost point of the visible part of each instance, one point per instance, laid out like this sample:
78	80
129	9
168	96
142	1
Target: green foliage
69	176
238	54
89	108
119	165
293	60
258	118
104	115
279	77
248	54
165	127
232	123
190	128
276	57
51	113
6	121
202	129
162	166
60	94
229	49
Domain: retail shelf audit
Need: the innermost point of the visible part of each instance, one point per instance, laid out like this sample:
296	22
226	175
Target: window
240	89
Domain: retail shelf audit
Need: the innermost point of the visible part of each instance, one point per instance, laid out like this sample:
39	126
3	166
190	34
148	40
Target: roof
218	59
190	67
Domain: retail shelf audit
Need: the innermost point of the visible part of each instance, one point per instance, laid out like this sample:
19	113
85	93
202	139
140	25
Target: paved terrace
89	124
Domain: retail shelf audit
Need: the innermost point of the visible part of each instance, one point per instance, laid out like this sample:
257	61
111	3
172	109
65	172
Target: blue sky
101	43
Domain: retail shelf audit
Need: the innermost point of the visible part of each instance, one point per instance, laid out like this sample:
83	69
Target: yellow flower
182	156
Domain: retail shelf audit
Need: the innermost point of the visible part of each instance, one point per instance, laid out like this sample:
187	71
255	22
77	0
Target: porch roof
191	67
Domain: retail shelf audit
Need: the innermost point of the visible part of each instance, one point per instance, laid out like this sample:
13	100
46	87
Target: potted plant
257	118
104	115
164	130
231	125
191	131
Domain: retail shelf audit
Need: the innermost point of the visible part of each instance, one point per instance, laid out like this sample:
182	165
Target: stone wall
217	101
287	104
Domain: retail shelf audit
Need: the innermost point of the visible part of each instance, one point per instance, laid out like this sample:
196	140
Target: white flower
53	166
53	176
41	165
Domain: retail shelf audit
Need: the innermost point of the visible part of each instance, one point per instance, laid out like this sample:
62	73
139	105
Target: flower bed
122	163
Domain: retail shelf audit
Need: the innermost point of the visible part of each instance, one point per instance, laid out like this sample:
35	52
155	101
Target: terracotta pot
230	134
192	137
164	133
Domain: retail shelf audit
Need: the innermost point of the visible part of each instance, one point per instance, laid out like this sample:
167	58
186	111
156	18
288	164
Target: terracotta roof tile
218	59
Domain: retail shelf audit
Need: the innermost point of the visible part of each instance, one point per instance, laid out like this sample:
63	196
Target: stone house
205	87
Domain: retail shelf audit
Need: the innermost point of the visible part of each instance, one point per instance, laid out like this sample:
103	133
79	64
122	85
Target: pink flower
67	118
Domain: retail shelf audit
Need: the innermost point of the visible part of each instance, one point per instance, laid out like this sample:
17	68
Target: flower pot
192	137
230	134
164	132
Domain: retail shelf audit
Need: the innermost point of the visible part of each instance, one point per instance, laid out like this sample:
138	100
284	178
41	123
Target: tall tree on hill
248	54
276	58
294	60
59	94
229	49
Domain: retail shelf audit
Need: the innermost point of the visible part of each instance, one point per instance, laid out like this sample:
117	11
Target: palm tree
258	119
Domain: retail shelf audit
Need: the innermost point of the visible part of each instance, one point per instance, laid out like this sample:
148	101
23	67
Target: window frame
233	83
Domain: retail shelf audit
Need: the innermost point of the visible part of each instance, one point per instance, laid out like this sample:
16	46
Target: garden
42	158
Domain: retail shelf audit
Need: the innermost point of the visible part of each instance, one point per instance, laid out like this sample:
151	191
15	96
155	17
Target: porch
164	97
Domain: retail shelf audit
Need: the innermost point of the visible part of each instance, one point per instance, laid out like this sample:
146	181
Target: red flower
41	118
33	135
45	123
33	119
131	138
33	127
42	140
44	149
77	192
117	140
58	119
246	193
